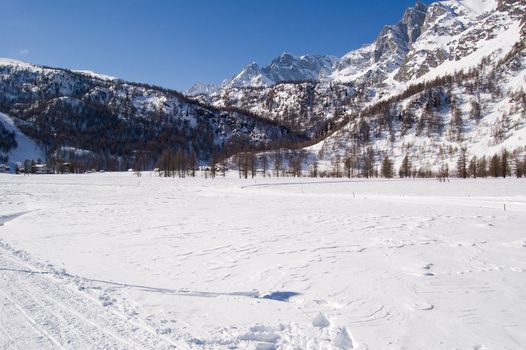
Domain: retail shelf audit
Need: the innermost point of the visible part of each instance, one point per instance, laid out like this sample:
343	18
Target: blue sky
175	43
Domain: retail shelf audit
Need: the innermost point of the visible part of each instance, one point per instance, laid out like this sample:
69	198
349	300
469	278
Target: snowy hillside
120	124
25	147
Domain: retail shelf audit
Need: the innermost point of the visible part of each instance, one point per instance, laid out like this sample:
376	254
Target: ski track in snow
115	261
55	314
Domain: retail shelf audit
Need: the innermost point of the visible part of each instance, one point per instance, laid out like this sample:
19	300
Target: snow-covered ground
116	261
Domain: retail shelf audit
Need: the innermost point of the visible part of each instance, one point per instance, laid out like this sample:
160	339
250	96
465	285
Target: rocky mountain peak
413	20
200	88
285	67
394	41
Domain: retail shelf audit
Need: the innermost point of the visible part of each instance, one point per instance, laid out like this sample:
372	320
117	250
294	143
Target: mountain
441	60
374	62
117	124
202	89
443	85
424	39
286	67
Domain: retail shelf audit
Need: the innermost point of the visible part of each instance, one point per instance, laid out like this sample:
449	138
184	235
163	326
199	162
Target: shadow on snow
282	296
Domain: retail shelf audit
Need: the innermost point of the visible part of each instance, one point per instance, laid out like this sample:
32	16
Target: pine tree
336	166
348	166
456	125
472	169
368	163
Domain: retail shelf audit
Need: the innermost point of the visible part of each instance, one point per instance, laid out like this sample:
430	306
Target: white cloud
23	52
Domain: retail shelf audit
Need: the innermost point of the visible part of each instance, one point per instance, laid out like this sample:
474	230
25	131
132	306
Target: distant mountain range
446	81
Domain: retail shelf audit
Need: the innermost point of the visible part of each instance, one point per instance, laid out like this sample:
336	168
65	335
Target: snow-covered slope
25	149
478	46
13	62
92	74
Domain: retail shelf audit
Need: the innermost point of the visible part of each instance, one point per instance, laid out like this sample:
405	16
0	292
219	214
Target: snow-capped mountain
374	62
286	67
425	38
443	39
202	89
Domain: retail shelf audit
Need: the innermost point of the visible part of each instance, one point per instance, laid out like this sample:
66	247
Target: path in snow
44	309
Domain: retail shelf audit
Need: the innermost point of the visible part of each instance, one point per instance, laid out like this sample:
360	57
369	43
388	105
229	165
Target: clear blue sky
175	43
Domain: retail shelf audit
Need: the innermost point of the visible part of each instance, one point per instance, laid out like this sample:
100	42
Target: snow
95	75
503	42
13	62
200	88
478	7
10	61
26	148
115	261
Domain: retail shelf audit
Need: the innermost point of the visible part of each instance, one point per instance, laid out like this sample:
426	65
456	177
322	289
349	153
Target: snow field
115	261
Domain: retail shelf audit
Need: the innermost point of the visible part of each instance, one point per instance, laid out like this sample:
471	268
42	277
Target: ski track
65	317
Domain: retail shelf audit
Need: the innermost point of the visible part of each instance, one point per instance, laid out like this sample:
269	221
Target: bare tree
387	168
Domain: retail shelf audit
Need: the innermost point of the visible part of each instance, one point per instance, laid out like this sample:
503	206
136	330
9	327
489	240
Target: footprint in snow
321	321
342	339
428	266
424	306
